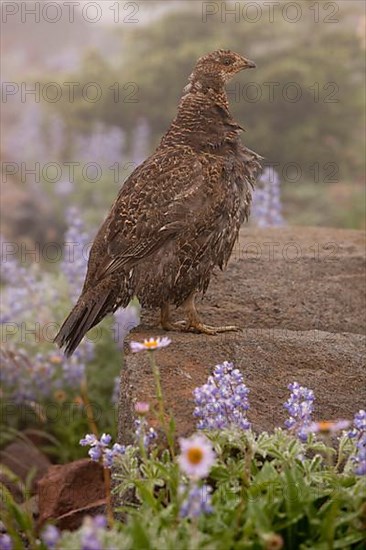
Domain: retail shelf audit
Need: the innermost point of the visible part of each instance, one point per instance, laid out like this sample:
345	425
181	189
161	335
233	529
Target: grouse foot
193	323
167	324
208	329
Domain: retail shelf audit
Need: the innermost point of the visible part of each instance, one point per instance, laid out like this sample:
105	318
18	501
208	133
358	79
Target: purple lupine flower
125	319
105	440
100	521
95	453
89	439
196	502
223	401
90	540
360	458
300	408
50	536
11	270
100	448
73	372
26	299
25	292
141	141
27	379
144	432
25	142
358	433
359	423
116	388
103	145
5	542
110	454
91	533
37	136
266	206
76	252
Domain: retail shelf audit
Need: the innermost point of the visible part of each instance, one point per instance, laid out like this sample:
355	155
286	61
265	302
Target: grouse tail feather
87	313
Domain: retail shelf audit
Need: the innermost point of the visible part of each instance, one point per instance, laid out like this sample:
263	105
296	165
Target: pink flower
142	408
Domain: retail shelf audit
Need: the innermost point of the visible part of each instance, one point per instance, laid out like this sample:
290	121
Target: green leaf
145	494
141	539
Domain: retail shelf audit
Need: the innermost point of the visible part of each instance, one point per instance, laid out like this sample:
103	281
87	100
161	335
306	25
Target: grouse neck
214	92
201	114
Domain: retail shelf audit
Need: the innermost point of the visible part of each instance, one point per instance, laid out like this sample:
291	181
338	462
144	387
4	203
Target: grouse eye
227	61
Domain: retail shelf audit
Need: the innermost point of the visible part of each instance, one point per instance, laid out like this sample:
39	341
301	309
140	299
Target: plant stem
88	408
108	496
141	439
328	452
160	398
340	453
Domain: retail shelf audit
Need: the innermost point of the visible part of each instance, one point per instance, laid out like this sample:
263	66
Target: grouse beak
247	64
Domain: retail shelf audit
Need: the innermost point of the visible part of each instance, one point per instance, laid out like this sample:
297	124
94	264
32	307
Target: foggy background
88	89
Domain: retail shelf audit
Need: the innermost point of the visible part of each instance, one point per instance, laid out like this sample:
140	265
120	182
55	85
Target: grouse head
215	69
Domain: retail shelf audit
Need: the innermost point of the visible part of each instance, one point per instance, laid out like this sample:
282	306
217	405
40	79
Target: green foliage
18	519
320	204
269	491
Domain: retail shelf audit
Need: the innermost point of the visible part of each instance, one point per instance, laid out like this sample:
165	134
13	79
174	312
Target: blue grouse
178	214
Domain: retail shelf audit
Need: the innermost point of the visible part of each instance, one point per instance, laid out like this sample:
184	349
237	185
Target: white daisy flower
325	426
197	456
150	345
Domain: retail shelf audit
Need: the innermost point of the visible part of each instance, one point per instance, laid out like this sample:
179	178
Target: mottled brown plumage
178	215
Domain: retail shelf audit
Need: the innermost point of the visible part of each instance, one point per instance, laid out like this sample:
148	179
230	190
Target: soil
299	296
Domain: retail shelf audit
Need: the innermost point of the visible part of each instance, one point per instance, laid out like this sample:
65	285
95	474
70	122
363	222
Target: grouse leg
196	325
165	321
